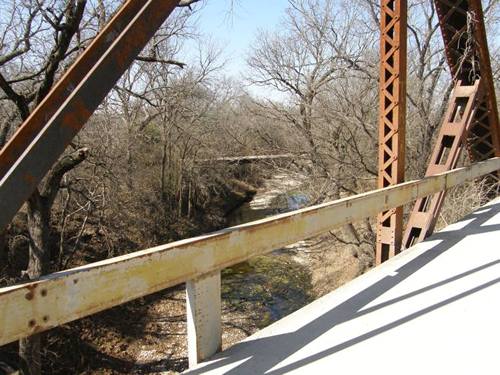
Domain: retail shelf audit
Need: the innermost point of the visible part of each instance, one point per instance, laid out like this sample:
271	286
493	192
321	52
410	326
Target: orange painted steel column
393	48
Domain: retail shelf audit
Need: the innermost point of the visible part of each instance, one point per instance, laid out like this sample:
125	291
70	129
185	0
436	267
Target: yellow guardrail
68	295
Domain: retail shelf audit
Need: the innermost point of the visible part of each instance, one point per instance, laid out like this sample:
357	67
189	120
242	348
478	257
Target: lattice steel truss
462	26
471	120
44	136
456	123
392	119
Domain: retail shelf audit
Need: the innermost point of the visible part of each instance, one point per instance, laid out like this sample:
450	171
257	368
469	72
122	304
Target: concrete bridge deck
434	309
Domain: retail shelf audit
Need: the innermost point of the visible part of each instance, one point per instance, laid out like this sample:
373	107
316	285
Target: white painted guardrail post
204	327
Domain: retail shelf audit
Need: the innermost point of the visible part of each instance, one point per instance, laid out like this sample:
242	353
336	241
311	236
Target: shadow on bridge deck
434	308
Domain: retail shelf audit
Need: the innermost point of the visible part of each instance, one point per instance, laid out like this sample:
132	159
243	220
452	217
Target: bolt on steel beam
49	143
392	118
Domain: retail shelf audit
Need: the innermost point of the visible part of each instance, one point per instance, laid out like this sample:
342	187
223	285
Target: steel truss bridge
470	124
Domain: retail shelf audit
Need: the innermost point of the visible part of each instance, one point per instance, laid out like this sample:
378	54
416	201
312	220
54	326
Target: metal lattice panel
392	120
462	26
456	123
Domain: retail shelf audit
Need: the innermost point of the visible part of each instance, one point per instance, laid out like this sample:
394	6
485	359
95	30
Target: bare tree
50	32
324	60
38	40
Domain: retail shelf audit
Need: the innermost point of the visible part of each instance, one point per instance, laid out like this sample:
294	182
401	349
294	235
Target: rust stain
72	119
38	328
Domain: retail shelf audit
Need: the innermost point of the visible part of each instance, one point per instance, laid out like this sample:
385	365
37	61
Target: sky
236	30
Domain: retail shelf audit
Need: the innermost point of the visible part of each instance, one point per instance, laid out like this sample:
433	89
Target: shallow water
276	284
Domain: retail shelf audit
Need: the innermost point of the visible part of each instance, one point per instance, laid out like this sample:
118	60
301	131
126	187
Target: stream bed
277	284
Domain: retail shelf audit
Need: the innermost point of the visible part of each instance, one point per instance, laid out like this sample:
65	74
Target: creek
272	285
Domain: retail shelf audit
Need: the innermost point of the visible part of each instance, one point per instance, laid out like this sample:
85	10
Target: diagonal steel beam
63	88
22	178
450	140
466	47
472	115
487	78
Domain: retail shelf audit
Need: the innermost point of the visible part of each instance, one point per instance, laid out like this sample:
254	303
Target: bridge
432	303
55	299
434	309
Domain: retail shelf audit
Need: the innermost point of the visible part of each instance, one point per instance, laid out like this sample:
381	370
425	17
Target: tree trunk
128	160
163	187
39	209
38	228
29	351
3	250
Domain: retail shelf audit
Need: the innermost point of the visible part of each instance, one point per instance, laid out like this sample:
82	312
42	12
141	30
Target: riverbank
148	336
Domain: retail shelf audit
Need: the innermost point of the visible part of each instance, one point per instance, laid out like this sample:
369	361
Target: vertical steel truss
44	136
392	120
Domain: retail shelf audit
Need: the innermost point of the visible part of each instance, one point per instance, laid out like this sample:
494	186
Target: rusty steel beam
489	107
22	178
466	47
473	101
64	296
392	118
451	138
63	88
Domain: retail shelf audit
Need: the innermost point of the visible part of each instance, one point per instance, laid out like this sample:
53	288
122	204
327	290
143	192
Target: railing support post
204	327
